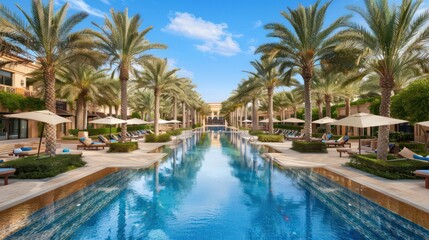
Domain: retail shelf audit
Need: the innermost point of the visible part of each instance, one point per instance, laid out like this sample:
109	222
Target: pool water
216	186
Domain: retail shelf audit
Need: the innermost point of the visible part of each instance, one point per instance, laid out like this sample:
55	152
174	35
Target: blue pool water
215	186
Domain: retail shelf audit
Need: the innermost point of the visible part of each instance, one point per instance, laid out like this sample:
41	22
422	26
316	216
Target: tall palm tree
157	77
308	42
82	83
125	45
46	36
394	41
294	100
269	75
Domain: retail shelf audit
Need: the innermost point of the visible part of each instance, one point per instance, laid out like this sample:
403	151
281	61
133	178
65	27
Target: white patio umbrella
247	121
43	116
324	120
267	120
174	121
161	121
366	120
136	121
293	120
108	121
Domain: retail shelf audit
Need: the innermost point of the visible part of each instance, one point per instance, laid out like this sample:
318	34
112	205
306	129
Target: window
5	78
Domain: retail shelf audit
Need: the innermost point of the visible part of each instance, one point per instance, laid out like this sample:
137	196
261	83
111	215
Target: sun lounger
425	174
5	173
6	152
349	151
295	138
87	144
105	140
342	142
407	153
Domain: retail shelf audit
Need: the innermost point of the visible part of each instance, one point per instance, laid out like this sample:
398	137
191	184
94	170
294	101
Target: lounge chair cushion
328	136
66	150
87	141
339	139
420	157
406	153
26	148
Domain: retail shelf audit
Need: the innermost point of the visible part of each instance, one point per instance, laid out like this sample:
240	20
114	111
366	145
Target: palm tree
308	43
157	77
143	102
270	76
294	100
125	45
394	42
82	83
47	37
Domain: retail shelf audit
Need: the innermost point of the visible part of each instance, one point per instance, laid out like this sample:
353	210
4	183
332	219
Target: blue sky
211	41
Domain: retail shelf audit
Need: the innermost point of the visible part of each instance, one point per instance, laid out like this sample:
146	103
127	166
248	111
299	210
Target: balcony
16	90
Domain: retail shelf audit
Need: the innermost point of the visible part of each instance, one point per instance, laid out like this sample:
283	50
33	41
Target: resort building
214	117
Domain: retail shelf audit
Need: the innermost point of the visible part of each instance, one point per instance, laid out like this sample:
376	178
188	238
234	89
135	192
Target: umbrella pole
40	141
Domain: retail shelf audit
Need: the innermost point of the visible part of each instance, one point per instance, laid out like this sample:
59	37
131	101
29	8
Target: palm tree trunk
50	104
294	112
307	76
183	115
110	110
117	111
328	111
123	77
270	109
254	115
320	107
347	100
85	115
79	113
175	110
157	95
383	131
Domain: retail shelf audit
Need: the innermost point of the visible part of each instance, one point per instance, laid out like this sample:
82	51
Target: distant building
214	117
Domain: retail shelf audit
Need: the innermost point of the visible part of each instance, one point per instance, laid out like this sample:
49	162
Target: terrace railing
16	90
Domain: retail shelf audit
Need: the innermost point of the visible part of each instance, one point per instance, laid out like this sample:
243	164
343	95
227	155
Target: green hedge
256	133
309	147
401	169
401	137
30	168
123	147
160	138
270	138
97	131
288	127
175	132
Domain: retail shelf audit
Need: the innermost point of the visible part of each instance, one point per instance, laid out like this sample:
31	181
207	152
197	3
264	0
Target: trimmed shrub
123	147
30	168
175	132
309	147
270	138
256	133
413	146
288	127
401	137
401	169
160	138
196	126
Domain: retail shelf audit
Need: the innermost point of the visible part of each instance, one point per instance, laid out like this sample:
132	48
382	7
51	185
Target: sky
211	41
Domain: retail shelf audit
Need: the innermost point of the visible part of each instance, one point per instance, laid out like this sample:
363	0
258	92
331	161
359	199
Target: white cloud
214	36
106	2
257	24
83	6
183	72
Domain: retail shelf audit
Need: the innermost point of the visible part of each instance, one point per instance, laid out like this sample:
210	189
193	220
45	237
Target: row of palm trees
72	62
388	51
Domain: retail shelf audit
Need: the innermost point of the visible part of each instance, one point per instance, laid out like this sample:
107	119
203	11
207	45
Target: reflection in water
216	186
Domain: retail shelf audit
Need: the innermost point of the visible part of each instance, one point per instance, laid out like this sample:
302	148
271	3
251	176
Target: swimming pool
216	186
